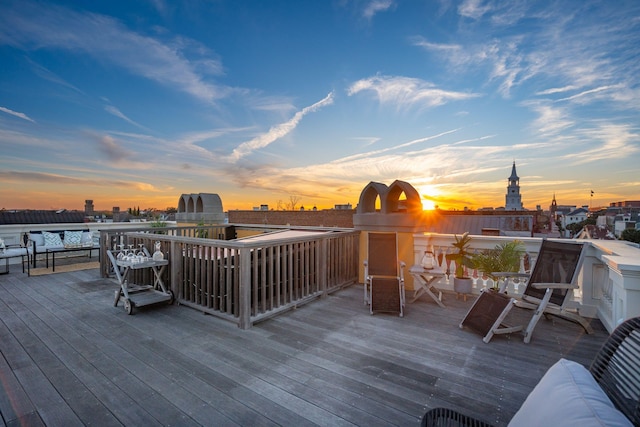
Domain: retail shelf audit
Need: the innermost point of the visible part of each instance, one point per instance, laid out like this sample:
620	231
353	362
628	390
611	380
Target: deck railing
609	278
247	281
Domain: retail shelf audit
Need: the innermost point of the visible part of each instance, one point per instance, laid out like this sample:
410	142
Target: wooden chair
549	291
384	274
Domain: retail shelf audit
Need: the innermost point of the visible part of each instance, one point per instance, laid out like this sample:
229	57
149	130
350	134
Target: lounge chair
384	274
549	291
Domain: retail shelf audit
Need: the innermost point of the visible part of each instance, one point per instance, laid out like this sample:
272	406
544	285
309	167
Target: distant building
513	197
41	217
626	204
88	208
344	206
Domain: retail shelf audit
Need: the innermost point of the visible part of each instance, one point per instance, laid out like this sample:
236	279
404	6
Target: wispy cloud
51	178
554	90
51	76
116	112
613	142
407	92
376	6
447	164
17	114
277	132
438	47
114	151
42	25
474	9
551	119
580	97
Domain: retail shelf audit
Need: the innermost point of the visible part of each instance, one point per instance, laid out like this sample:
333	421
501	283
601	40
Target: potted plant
504	258
462	284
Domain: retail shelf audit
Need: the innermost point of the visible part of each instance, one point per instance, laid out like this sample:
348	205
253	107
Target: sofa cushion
87	239
568	395
72	238
37	238
52	239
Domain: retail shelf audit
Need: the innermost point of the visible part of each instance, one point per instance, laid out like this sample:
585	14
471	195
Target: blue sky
133	103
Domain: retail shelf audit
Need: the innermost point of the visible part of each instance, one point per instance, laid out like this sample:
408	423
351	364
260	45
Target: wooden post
322	266
244	321
175	281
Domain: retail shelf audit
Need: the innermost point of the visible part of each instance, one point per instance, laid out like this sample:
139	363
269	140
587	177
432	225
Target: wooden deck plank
327	363
139	334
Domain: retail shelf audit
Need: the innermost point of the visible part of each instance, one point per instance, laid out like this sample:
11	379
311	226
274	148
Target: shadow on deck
68	357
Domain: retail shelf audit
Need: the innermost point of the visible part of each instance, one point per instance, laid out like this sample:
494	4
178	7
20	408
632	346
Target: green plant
463	257
504	258
202	233
159	224
631	235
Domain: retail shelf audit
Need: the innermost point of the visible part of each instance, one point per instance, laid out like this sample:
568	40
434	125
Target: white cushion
87	238
37	238
568	395
52	239
72	238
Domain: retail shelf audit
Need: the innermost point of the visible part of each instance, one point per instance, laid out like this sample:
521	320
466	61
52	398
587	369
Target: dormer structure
513	200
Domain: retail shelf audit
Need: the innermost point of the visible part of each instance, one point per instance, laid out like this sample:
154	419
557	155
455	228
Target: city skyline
134	104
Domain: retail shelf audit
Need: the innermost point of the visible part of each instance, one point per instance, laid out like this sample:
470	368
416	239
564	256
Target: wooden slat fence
247	281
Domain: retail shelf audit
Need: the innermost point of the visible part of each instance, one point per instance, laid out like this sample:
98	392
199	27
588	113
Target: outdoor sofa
52	242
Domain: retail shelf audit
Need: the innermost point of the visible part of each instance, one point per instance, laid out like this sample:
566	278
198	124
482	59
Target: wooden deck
68	357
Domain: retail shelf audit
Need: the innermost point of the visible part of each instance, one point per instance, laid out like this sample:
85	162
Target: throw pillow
52	239
568	396
72	238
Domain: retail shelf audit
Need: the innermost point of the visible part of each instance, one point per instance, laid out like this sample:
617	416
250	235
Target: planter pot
462	285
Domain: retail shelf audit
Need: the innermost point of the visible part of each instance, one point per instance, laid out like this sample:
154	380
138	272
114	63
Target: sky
133	103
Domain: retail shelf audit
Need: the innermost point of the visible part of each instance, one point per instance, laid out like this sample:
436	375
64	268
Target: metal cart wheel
128	306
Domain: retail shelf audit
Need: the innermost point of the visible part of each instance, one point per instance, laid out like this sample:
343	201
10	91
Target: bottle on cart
158	255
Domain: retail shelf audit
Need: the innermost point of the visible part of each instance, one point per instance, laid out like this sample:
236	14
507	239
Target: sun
428	205
428	197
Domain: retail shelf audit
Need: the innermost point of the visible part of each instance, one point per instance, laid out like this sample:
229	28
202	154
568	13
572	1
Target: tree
171	210
631	235
293	201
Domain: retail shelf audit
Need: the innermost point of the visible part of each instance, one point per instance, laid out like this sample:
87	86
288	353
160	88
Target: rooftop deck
68	357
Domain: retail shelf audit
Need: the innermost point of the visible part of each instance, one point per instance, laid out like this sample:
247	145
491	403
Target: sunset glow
135	103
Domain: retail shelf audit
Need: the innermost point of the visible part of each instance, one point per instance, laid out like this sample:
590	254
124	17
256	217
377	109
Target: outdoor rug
65	268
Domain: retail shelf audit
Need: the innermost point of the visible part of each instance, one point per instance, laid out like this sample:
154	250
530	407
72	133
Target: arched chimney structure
394	214
205	207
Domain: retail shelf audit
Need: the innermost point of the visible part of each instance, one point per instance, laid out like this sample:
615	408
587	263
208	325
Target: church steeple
514	175
513	197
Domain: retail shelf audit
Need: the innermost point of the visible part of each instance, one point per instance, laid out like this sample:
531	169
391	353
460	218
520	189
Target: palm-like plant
504	258
463	257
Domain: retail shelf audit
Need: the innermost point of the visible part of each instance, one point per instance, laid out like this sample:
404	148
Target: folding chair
384	274
549	291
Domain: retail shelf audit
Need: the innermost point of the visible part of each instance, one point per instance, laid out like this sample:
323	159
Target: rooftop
69	357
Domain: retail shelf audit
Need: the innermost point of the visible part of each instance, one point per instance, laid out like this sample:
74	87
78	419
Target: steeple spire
513	197
514	175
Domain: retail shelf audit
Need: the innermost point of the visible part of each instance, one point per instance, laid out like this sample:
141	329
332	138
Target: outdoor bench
52	242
